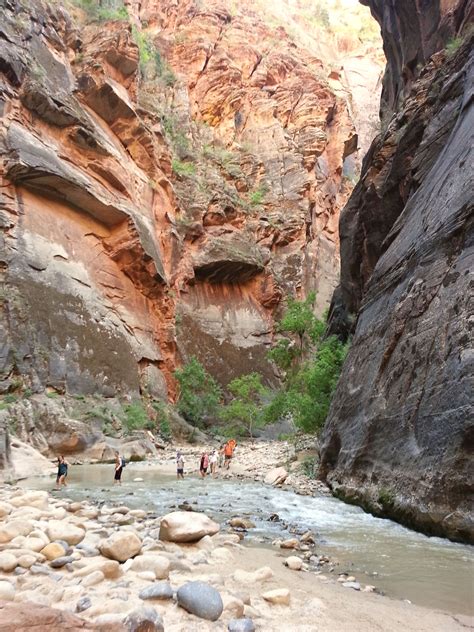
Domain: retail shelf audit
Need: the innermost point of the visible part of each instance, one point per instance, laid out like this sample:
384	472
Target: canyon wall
168	178
399	436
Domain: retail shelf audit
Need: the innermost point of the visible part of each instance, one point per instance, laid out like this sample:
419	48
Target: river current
404	564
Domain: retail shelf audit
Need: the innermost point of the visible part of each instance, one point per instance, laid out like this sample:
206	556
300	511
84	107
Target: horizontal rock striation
399	436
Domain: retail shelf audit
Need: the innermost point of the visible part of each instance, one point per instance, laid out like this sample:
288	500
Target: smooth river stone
200	599
159	590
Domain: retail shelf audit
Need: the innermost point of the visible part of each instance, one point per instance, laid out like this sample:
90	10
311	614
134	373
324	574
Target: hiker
62	472
179	465
213	462
119	465
220	460
229	452
204	464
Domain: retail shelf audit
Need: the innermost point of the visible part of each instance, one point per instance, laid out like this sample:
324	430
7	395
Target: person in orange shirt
229	452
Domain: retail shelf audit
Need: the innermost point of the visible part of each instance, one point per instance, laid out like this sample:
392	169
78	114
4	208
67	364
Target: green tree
199	394
312	364
246	406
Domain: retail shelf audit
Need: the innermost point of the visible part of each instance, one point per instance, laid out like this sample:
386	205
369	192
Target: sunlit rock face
150	215
399	434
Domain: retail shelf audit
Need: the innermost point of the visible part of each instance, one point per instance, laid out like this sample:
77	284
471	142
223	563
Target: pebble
159	590
353	585
279	596
59	562
241	625
144	620
84	603
294	563
93	578
8	562
7	591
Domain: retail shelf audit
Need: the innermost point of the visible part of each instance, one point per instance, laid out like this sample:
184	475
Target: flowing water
404	564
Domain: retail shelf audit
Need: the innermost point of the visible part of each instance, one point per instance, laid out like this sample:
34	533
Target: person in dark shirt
62	472
118	469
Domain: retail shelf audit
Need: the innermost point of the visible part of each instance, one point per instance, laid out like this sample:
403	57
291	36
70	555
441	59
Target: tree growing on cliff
311	363
245	409
199	394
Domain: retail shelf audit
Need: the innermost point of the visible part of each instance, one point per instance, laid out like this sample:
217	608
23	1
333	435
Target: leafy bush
312	366
256	197
135	417
97	12
183	169
245	408
309	466
199	395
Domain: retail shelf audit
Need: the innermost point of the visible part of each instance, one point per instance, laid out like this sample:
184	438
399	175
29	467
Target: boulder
144	620
276	476
5	509
158	590
157	564
241	625
200	599
291	543
279	596
184	526
62	530
121	546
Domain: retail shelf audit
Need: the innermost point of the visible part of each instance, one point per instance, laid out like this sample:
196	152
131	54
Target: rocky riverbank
128	569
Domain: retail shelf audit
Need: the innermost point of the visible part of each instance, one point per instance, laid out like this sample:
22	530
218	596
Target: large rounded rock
158	590
277	476
13	529
61	530
186	526
121	546
157	564
200	599
144	620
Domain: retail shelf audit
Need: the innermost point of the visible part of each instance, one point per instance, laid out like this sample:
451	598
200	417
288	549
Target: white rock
233	606
158	564
293	562
121	546
8	562
25	561
93	578
276	476
33	543
7	591
5	509
260	575
62	530
186	526
31	499
278	596
14	528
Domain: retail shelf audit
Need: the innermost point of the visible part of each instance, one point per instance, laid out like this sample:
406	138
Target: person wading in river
229	452
204	464
62	472
179	465
119	464
213	462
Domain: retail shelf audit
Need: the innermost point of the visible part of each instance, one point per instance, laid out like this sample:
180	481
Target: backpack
123	461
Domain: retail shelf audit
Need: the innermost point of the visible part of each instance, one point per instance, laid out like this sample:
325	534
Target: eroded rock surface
399	434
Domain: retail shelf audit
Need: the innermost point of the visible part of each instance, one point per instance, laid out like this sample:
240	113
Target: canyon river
404	564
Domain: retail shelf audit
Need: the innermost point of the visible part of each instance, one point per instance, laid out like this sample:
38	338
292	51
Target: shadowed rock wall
399	437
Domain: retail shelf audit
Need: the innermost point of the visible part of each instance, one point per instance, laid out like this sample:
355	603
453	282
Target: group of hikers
217	458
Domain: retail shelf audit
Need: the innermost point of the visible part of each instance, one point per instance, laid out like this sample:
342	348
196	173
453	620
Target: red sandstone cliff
151	214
